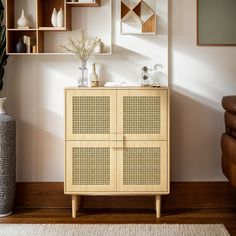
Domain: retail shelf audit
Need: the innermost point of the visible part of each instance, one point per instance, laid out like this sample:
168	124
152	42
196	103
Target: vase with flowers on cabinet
82	48
83	75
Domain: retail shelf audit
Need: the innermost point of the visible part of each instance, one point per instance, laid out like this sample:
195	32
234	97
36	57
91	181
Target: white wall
199	77
35	88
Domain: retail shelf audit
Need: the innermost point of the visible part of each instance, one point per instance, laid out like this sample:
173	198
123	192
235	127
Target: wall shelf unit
48	38
138	16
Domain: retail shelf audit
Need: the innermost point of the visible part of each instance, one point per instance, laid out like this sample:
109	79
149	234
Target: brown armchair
228	139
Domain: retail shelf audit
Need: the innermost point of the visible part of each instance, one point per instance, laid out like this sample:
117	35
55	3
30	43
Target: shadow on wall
39	153
64	69
195	139
37	103
199	78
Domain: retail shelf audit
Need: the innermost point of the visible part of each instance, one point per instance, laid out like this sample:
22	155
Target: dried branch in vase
82	47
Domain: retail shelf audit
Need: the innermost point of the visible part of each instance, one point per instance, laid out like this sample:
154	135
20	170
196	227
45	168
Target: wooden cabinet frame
84	93
119	143
162	187
69	164
163	116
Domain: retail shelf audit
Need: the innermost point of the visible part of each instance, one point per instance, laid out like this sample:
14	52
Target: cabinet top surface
117	88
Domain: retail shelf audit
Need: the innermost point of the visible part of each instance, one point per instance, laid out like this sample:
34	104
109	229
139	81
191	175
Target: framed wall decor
138	16
216	22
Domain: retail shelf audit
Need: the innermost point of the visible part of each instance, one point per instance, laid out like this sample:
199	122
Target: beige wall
35	88
199	77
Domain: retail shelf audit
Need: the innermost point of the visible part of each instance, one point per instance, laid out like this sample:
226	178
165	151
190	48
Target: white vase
54	17
60	18
94	82
22	21
2	101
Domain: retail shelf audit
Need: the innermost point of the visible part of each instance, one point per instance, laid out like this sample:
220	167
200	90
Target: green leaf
1	11
3	55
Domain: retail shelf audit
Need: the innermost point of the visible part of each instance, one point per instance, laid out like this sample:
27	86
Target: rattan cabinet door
90	167
142	166
90	114
142	114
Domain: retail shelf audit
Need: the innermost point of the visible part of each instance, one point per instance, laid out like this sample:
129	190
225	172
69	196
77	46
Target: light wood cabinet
46	38
116	142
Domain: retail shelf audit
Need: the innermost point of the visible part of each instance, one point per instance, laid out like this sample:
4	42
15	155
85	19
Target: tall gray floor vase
7	164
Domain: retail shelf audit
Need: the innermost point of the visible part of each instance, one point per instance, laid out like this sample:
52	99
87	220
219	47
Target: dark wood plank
41	195
188	203
182	196
225	216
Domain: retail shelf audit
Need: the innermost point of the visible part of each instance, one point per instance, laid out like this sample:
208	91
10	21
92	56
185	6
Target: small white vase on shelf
60	18
23	22
54	17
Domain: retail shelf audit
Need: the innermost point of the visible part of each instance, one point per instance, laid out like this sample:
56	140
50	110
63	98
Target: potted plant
4	56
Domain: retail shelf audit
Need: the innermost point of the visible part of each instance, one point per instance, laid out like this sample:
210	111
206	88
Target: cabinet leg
74	205
158	206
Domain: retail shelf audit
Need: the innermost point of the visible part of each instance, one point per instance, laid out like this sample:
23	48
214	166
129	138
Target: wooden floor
109	216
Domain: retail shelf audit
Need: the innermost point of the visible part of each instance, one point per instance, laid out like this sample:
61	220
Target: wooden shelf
45	9
45	34
22	54
54	53
97	3
13	37
52	29
138	17
21	29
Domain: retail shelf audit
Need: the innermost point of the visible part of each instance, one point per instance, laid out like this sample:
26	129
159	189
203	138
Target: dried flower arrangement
82	47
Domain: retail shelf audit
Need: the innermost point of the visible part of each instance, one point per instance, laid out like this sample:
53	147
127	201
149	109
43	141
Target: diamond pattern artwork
130	3
138	16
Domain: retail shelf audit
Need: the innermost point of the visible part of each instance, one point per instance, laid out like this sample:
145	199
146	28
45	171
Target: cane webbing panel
91	166
141	115
141	166
91	115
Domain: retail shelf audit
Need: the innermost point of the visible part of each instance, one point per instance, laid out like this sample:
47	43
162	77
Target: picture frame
216	23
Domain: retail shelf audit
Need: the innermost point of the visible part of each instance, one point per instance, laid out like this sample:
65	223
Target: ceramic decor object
54	17
20	46
22	22
60	18
94	77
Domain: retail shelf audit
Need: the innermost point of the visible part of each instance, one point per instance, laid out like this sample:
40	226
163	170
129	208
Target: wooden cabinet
46	38
116	142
